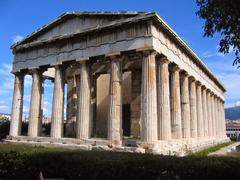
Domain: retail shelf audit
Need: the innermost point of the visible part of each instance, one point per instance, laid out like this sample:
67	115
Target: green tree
222	16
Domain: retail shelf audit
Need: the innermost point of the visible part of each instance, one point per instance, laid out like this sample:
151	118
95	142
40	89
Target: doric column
200	127
213	116
84	103
218	119
164	120
193	108
17	105
175	97
204	107
185	106
216	116
115	102
209	114
223	119
58	103
149	98
35	119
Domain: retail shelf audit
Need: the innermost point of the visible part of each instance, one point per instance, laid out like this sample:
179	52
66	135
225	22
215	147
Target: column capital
60	66
36	70
184	73
211	93
149	52
175	68
198	83
19	73
215	96
192	79
208	91
204	87
114	56
163	60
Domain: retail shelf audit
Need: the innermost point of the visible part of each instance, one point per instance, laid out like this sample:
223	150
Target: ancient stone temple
132	85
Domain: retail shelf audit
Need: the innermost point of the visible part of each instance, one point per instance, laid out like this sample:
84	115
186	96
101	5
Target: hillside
232	113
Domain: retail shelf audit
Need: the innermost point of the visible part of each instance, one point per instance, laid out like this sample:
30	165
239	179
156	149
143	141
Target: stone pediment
70	23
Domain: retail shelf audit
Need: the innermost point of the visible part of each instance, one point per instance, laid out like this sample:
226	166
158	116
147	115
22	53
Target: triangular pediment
70	23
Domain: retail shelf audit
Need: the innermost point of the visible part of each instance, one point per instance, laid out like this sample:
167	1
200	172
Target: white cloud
17	38
47	103
2	102
25	109
28	81
237	103
46	111
212	53
5	69
27	97
48	85
3	107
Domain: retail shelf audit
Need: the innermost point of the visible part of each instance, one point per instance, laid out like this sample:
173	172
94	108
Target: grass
207	151
31	150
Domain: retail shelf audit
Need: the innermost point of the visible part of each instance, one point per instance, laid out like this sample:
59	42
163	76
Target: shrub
21	162
24	128
46	129
4	129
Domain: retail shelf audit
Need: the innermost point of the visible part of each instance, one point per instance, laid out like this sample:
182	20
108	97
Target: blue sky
21	17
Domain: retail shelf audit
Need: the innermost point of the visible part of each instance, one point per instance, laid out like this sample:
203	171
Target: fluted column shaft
84	104
219	132
164	120
193	108
149	98
35	120
115	103
58	103
176	123
223	119
200	127
17	106
185	106
209	114
216	117
204	107
213	117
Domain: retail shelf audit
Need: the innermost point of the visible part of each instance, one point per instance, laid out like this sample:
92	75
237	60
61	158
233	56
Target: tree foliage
222	16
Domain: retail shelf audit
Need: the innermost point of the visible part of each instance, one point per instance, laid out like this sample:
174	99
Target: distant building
233	130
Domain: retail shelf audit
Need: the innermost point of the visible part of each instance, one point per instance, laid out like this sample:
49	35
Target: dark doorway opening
126	119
